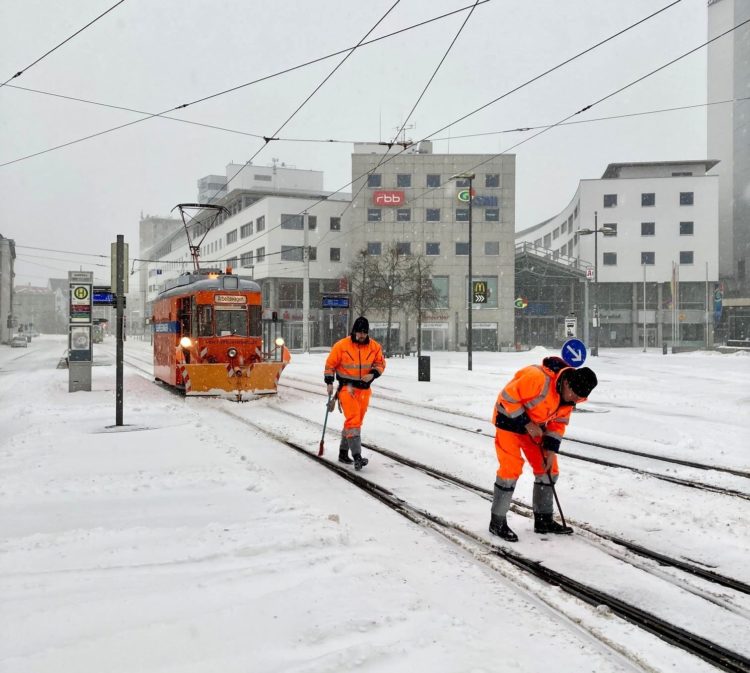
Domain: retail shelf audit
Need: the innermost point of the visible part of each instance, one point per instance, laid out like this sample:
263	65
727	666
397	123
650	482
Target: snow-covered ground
188	541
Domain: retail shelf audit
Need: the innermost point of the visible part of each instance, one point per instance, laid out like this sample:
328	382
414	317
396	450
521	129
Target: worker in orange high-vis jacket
355	361
531	414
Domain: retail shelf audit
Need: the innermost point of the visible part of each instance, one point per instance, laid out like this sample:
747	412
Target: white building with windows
410	199
658	231
263	238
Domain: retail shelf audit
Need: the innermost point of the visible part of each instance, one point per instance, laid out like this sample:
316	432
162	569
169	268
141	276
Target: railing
552	255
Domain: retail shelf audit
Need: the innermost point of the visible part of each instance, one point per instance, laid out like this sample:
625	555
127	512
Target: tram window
231	322
255	323
205	321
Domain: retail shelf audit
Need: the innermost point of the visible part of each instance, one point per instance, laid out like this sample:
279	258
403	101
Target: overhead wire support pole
306	286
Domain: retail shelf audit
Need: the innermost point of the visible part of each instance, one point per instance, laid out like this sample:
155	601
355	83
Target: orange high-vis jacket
350	362
532	395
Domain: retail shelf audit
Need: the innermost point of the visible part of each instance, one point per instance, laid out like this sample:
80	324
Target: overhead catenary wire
307	100
151	115
413	107
68	39
533	79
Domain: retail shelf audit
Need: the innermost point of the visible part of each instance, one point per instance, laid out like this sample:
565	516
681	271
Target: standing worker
355	361
531	414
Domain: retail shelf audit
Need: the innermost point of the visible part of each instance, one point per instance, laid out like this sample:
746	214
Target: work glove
329	389
549	458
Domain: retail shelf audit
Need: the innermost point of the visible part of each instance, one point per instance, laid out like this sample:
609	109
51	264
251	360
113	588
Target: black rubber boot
544	524
360	462
499	527
344	457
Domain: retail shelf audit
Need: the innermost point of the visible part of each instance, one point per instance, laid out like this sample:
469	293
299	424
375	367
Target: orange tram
209	337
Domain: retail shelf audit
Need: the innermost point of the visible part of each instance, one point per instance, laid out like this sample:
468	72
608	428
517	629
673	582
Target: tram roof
207	279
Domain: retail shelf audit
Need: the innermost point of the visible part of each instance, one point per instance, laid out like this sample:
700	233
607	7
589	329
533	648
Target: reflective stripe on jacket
532	395
350	362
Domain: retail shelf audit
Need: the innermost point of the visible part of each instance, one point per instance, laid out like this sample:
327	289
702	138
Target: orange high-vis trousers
508	447
354	403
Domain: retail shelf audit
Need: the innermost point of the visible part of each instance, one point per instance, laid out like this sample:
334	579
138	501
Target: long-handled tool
330	404
557	500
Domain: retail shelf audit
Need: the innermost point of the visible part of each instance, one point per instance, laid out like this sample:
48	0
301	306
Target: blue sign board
574	352
335	302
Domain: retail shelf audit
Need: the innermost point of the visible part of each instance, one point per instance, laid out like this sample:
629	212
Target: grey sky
153	56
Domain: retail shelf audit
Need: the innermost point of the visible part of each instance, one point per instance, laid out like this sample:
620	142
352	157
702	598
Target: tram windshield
231	322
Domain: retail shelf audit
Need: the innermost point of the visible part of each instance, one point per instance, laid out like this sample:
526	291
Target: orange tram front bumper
224	380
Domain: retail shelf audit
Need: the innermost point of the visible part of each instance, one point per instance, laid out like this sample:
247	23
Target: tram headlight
279	341
232	352
186	342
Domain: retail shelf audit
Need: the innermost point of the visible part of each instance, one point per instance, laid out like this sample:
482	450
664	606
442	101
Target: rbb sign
388	198
479	292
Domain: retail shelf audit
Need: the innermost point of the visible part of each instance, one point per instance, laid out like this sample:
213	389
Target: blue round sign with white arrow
574	352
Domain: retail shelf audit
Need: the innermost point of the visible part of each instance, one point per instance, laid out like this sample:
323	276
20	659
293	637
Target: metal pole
119	286
471	285
596	285
306	287
644	308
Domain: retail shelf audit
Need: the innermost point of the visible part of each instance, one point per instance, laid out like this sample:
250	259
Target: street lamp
469	177
607	231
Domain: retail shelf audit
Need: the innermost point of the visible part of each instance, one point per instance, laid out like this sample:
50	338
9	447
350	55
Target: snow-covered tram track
456	425
487	551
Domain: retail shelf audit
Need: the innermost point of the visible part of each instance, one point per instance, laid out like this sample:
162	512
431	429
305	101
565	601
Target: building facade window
374	248
462	183
312	222
335	224
648	258
433	180
403	247
462	214
289	221
291	253
374	214
492	247
232	236
555	233
462	248
611	228
432	214
260	254
492	214
686	228
610	200
648	228
432	249
260	223
246	230
609	259
441	286
335	255
403	215
374	180
648	199
686	198
548	241
246	259
492	180
686	256
403	180
313	252
232	262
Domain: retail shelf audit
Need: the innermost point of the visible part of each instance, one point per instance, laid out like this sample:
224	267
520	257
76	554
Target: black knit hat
582	381
361	325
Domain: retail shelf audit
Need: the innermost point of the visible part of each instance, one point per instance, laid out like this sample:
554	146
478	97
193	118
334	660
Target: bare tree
360	278
423	295
392	286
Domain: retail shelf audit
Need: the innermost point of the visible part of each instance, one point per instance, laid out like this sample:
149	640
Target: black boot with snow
544	523
360	462
499	527
344	457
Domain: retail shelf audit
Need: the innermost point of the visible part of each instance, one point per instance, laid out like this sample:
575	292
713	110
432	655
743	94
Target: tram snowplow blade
220	379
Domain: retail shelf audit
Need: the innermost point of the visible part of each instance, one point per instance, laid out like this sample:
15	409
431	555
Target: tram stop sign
479	292
574	352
